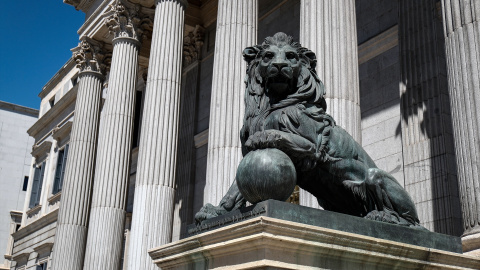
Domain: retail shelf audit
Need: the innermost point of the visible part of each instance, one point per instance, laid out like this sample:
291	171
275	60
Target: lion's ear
250	53
312	58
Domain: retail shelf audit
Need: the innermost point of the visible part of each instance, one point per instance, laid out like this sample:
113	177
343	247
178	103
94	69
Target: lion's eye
268	55
291	55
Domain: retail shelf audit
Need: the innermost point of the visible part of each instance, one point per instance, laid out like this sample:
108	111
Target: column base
253	239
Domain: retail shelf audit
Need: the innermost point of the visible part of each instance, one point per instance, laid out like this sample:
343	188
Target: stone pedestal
276	235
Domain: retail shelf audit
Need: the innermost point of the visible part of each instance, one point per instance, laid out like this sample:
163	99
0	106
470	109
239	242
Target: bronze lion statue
286	109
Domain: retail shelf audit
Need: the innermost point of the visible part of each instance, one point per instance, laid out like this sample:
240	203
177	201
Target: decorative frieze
192	45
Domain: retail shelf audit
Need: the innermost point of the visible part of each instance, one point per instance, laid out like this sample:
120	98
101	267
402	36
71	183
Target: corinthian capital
192	45
89	56
126	21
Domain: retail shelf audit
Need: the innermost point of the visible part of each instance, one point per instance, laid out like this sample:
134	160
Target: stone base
269	243
335	221
471	245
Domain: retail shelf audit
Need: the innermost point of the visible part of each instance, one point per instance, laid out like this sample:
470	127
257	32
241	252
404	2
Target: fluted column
462	34
236	30
329	29
107	216
71	234
154	187
426	126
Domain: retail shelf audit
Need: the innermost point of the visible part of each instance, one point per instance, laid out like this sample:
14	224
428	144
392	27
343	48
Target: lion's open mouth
279	83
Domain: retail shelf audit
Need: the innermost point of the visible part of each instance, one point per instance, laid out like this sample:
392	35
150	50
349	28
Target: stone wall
15	160
379	71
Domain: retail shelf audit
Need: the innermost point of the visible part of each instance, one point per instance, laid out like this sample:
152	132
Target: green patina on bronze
285	109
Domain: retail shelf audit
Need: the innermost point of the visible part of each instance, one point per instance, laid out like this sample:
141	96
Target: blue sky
36	38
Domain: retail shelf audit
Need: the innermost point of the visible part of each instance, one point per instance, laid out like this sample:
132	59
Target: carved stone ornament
83	5
89	56
192	45
127	22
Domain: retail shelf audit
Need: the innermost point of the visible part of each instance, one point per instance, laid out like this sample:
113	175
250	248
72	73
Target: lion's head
280	73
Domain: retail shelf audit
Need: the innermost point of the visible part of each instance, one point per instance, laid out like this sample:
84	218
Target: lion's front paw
263	139
209	211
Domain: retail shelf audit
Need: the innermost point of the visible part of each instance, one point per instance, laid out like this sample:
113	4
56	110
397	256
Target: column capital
90	56
127	22
184	3
192	45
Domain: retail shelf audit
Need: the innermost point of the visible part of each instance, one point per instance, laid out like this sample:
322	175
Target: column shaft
236	30
426	126
329	29
462	33
154	187
107	217
71	234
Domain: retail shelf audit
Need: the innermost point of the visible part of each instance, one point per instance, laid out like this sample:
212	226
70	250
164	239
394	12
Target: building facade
140	128
15	164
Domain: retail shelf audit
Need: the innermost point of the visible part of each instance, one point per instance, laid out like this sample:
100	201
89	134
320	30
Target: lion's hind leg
393	204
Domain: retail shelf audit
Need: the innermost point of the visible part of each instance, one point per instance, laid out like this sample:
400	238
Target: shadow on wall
426	127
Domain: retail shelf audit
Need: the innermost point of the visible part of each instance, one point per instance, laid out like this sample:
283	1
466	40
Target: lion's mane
309	89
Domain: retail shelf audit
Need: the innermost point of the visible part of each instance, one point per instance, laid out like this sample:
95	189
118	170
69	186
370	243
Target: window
25	183
37	185
42	266
52	102
60	171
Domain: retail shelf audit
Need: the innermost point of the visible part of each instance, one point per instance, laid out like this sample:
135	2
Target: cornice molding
42	149
83	5
36	225
34	210
50	115
24	255
44	247
59	133
58	77
54	198
19	109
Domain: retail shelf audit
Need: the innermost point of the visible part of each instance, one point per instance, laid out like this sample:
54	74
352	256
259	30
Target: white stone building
15	164
147	121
